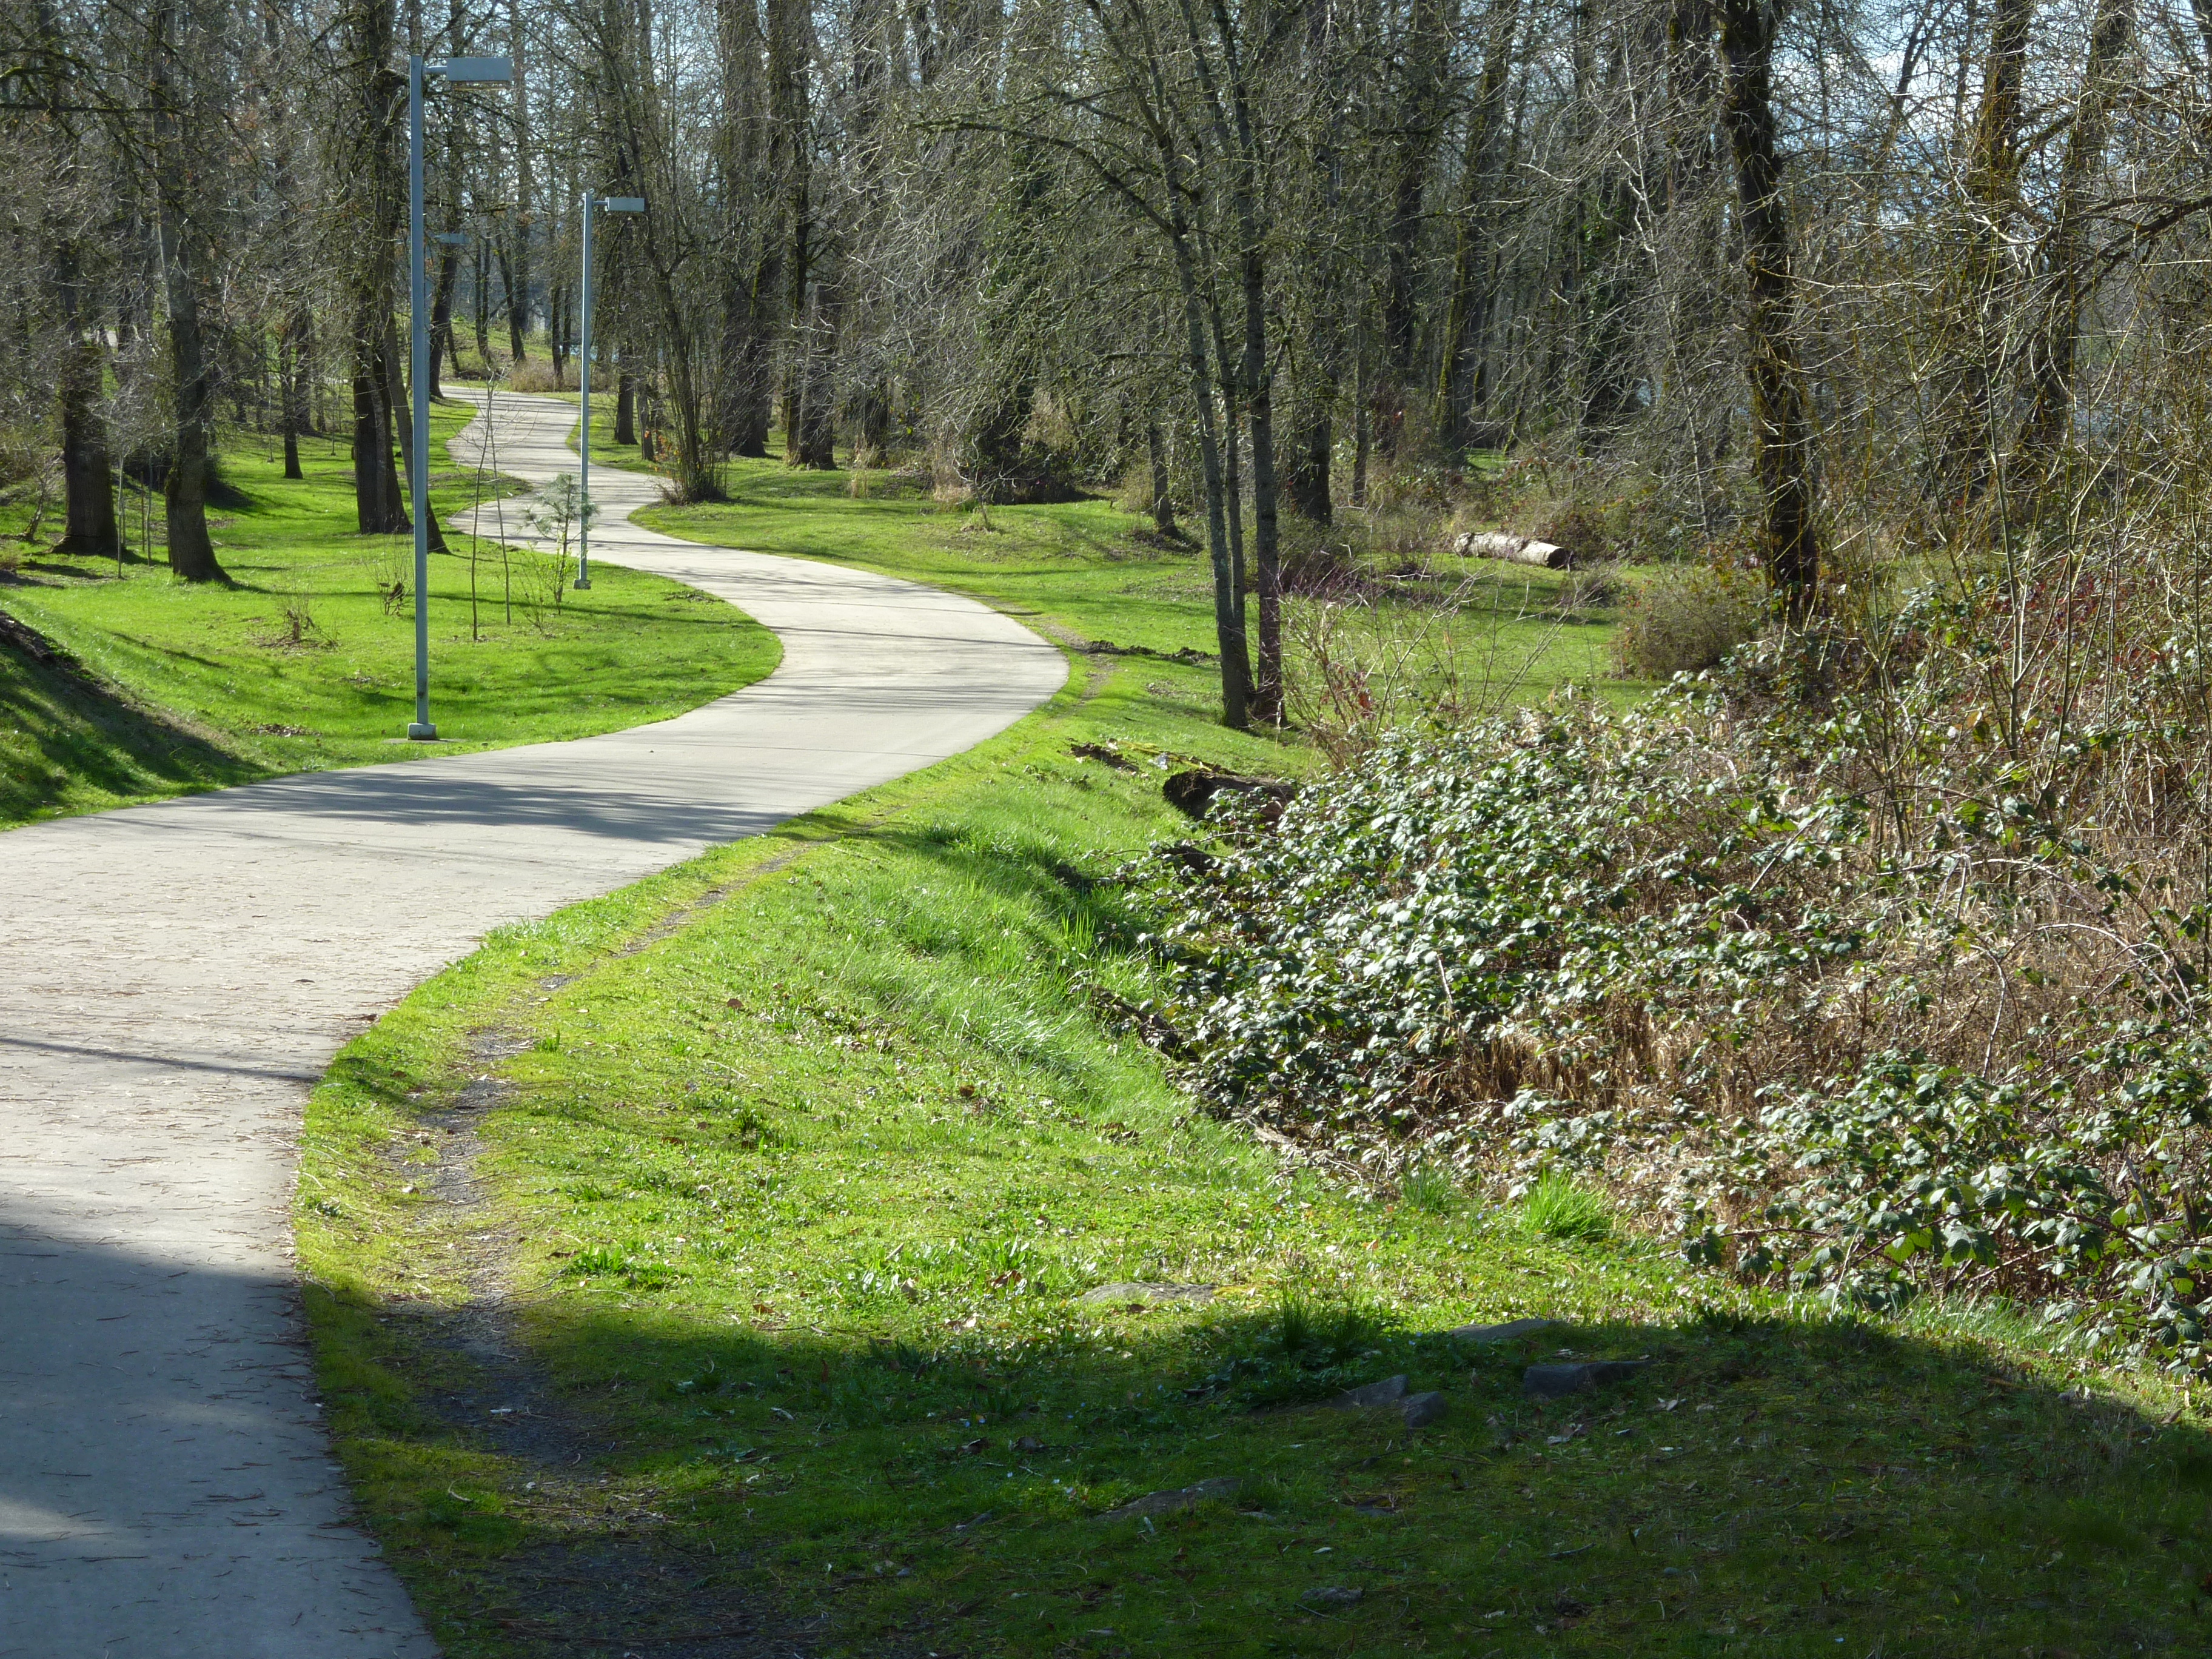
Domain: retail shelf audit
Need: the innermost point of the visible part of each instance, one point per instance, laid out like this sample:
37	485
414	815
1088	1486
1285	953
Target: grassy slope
798	1158
68	744
224	665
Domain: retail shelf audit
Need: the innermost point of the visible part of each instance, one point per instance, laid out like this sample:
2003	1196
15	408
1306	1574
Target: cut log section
1515	549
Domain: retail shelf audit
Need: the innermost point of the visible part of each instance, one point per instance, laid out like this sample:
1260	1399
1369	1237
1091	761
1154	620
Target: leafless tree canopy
1833	286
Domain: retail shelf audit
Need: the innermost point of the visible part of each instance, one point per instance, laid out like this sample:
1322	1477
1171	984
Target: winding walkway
174	977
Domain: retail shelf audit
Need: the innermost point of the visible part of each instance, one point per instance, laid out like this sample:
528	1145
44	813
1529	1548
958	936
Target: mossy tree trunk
192	552
1781	420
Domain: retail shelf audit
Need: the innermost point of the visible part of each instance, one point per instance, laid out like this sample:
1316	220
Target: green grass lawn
303	663
712	1256
71	744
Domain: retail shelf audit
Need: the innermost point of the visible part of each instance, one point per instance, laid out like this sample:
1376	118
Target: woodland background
1814	288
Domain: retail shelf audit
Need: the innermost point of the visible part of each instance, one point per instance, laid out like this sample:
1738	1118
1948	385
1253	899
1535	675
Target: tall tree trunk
441	319
376	505
1363	424
1266	540
288	392
1257	379
748	270
751	373
625	407
557	329
514	262
1310	454
1429	27
88	472
1228	614
1467	314
813	438
1155	444
789	161
1981	313
370	159
480	298
402	407
1197	312
1780	421
2072	281
191	554
518	311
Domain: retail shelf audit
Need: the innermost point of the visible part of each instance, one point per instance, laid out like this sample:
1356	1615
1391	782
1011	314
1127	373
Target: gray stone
1334	1596
1487	1334
1184	1497
1557	1381
1388	1392
1135	1290
1423	1409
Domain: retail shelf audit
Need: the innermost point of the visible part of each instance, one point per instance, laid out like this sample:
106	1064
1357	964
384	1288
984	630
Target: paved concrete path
172	979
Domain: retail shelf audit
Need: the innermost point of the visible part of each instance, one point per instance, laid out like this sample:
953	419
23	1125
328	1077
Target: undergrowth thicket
1874	965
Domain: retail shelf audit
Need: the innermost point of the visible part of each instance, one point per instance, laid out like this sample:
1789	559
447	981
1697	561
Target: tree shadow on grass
86	735
1761	1485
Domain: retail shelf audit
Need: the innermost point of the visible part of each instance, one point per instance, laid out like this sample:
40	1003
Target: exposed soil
623	1582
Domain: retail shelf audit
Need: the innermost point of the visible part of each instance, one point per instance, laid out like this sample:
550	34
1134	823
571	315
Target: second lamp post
487	70
607	205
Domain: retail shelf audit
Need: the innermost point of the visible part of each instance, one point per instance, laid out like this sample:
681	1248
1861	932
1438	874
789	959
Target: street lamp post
609	204
497	71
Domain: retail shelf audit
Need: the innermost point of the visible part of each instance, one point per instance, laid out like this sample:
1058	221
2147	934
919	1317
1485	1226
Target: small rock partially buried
1557	1381
1136	1290
1423	1409
1505	1333
1182	1497
1334	1596
1388	1392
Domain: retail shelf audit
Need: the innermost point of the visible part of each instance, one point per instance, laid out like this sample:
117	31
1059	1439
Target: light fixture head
622	203
493	71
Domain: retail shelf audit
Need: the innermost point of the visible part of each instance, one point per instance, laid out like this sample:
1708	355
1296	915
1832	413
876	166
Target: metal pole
584	385
419	439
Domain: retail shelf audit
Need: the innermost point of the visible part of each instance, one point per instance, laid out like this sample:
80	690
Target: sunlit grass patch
305	660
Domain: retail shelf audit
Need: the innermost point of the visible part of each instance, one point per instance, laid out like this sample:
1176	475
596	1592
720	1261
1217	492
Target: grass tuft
1557	1207
1429	1189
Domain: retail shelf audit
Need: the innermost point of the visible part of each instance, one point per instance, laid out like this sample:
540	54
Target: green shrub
1861	990
1682	618
534	375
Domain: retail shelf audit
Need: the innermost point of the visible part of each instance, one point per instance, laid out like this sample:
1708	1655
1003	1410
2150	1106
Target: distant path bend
174	977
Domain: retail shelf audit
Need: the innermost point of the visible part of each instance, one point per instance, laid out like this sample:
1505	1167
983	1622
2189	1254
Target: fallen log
1514	549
